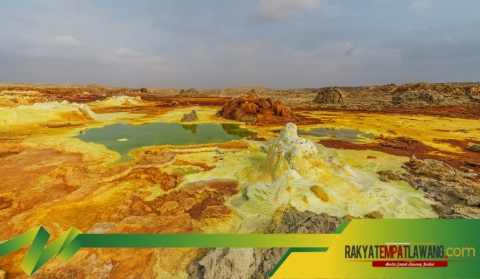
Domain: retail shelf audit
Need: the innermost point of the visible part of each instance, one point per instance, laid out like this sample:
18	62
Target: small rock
473	201
448	211
348	218
174	104
474	147
191	91
387	144
374	215
473	164
188	117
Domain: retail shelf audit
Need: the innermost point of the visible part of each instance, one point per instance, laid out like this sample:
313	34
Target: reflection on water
123	137
190	127
235	129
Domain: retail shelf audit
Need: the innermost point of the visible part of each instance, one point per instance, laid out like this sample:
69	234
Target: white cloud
420	5
128	53
64	41
43	46
67	48
280	9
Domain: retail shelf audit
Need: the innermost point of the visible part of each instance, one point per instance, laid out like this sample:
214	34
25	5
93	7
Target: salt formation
295	172
289	152
292	156
120	101
13	98
45	112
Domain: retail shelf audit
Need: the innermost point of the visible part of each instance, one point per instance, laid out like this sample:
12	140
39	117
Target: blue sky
217	44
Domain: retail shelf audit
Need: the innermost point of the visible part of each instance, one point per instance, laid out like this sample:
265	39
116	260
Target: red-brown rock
251	109
280	109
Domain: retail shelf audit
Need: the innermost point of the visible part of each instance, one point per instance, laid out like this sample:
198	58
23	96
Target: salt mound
289	151
290	154
297	172
13	98
45	113
116	101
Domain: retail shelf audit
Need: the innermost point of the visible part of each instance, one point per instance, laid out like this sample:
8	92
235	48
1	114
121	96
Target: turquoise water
155	134
350	135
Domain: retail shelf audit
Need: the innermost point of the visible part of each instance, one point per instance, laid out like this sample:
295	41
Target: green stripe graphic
293	250
39	253
65	246
458	238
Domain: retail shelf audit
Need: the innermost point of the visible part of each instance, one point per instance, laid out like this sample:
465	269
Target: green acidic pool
123	138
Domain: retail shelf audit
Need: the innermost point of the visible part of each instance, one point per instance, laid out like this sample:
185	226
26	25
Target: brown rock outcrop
191	91
454	93
412	97
251	109
456	192
442	88
474	147
329	95
188	117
